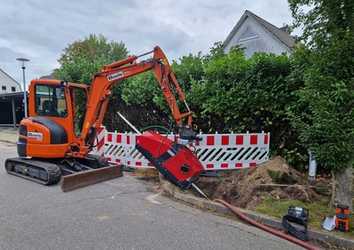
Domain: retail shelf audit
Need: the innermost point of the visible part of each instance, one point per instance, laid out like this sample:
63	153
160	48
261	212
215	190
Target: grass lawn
318	210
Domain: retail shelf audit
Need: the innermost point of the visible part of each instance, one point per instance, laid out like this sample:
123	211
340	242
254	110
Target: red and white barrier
215	151
101	134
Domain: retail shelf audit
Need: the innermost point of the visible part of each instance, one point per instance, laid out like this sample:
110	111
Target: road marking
152	198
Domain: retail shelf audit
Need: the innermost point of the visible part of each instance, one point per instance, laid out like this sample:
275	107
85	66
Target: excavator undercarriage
73	173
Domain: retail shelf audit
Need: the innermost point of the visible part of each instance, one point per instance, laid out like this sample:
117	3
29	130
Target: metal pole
128	122
24	89
23	60
13	111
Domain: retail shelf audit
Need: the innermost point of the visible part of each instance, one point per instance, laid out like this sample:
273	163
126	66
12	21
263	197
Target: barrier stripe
239	139
225	140
215	151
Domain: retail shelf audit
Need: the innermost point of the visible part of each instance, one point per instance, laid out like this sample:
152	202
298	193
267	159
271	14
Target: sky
40	29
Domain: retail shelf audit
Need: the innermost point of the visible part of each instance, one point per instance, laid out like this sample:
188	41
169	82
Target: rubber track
53	171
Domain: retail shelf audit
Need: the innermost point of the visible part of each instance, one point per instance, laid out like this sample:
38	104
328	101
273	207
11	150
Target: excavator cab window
79	100
50	101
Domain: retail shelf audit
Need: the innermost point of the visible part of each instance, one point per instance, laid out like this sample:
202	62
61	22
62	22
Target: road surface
118	214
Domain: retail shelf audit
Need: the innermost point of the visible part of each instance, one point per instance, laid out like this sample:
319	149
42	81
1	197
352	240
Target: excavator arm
116	72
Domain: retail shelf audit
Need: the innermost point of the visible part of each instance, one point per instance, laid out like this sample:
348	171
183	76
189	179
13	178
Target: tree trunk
342	185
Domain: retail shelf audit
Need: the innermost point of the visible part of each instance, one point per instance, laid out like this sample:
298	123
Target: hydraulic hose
268	229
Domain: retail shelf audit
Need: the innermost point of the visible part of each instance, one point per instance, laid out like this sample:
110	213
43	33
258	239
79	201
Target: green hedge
232	93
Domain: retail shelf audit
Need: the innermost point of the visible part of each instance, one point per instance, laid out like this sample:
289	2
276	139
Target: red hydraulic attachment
174	161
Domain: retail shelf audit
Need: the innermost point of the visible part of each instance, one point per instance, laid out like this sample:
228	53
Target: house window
13	89
3	88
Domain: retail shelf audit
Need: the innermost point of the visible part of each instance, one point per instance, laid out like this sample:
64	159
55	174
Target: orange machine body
64	118
49	136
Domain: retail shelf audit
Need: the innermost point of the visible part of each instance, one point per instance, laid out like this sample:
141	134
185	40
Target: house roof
278	33
10	77
51	76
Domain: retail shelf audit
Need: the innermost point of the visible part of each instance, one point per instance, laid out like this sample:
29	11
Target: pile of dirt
247	188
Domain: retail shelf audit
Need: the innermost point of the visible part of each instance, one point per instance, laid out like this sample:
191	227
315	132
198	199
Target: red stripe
238	165
239	139
138	163
209	165
225	140
128	139
210	140
109	158
99	130
100	144
118	160
224	165
266	139
109	137
253	164
128	162
119	138
253	139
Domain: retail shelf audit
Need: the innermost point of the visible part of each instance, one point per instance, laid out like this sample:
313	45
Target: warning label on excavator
115	76
35	135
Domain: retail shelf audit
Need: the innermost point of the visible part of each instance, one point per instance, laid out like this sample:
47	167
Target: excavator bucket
90	177
177	163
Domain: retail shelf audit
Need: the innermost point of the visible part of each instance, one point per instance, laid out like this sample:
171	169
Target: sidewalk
8	134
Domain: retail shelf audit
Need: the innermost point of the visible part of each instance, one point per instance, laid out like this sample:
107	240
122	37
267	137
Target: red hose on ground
268	229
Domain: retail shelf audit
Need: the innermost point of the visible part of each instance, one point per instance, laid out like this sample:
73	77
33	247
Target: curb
324	239
146	173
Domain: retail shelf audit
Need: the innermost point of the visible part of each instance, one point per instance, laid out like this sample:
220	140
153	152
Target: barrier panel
215	151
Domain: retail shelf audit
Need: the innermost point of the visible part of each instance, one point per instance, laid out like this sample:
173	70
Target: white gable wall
255	38
7	84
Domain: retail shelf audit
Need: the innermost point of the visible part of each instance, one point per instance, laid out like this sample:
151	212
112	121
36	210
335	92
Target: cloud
40	30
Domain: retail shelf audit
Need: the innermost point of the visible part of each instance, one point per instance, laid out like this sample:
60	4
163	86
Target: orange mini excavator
56	139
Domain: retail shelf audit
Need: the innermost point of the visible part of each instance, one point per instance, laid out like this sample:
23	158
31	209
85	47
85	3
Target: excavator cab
55	119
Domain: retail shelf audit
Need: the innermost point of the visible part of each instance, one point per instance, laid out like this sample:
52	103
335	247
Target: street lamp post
23	67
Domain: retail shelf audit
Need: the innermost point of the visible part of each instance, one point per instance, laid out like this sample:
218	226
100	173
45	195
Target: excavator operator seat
48	108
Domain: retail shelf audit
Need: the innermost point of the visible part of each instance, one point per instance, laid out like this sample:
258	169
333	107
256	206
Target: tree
83	58
327	125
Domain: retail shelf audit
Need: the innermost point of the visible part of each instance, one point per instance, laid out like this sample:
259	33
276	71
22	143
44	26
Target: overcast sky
41	29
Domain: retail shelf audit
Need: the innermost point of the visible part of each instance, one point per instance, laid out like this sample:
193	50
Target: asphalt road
119	214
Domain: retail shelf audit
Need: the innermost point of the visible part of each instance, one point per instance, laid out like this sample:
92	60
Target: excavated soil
247	188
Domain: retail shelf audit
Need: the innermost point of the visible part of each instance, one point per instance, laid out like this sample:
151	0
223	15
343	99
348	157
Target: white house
8	84
255	34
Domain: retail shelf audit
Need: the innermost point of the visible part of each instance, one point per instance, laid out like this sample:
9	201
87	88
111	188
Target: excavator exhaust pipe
90	177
